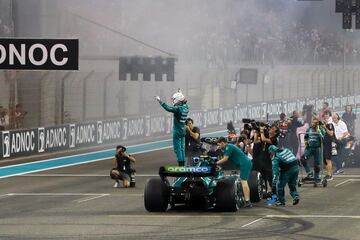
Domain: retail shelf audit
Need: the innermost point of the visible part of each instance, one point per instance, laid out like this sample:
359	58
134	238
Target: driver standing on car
241	161
285	170
180	110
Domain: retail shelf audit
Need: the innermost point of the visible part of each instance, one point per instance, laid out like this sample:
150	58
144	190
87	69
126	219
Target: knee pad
316	168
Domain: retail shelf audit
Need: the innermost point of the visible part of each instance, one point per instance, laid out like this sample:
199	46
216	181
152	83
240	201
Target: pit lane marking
347	181
313	216
92	198
255	221
163	215
56	194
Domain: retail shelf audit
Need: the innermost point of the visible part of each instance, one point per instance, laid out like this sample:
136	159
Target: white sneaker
116	185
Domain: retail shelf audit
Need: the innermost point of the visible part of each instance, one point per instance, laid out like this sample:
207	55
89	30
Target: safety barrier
27	142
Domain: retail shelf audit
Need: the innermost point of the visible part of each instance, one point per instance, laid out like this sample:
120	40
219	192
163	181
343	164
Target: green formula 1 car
202	185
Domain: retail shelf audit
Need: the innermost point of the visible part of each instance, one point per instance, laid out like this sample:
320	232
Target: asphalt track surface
79	202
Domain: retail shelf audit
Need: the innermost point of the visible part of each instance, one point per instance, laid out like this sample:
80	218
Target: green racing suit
313	142
180	111
285	170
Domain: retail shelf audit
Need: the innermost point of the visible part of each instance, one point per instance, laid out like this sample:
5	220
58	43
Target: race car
202	185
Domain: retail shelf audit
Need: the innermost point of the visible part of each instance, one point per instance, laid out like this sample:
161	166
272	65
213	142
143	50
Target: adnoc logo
177	169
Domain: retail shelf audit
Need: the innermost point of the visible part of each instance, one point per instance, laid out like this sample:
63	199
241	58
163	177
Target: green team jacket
180	114
281	159
314	136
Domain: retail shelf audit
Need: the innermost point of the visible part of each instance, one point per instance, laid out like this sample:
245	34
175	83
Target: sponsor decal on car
179	169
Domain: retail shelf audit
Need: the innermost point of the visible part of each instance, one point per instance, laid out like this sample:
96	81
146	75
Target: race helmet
273	148
177	97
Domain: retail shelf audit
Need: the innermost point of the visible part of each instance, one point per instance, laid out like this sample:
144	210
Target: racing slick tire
257	186
227	196
156	195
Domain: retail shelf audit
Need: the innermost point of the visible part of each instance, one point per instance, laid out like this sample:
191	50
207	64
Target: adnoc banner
83	135
1	145
108	131
155	125
39	54
19	143
133	128
51	139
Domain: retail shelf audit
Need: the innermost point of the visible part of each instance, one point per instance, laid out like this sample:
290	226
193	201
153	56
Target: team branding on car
178	169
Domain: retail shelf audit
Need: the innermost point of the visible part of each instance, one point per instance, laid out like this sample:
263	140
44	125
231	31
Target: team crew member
241	161
313	138
286	170
192	140
123	169
180	110
329	148
342	135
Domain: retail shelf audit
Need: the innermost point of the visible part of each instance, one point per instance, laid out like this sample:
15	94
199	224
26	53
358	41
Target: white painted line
92	198
81	175
45	169
255	221
128	195
343	182
165	215
170	215
56	194
4	196
347	176
312	216
64	175
347	181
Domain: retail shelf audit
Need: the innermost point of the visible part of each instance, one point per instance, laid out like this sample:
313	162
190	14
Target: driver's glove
157	98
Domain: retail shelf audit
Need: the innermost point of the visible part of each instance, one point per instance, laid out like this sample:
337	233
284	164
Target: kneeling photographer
264	136
123	168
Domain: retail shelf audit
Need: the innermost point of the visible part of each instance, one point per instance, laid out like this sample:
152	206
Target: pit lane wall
34	141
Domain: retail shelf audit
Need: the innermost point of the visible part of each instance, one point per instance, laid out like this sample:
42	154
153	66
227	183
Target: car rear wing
187	171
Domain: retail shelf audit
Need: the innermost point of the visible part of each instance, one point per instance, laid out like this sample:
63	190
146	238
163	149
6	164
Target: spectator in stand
325	107
349	119
19	116
4	119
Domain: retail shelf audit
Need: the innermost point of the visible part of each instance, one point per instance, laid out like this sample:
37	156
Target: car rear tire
227	197
156	195
257	186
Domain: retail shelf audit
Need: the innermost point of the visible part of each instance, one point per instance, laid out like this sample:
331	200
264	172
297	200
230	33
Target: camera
251	124
230	127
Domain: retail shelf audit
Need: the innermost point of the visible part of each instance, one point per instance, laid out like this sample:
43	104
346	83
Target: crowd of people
324	137
17	120
276	150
